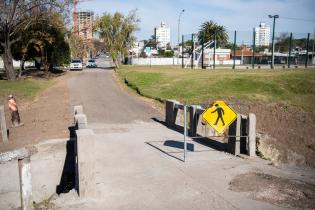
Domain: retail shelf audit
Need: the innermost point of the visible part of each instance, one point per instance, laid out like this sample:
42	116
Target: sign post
185	132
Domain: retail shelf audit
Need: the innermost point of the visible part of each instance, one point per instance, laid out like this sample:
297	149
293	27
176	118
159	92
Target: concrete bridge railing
23	156
85	154
243	128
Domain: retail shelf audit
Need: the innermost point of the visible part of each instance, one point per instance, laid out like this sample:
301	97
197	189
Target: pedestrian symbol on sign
220	112
219	116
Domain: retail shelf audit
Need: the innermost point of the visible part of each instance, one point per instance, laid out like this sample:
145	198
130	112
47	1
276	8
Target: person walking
15	116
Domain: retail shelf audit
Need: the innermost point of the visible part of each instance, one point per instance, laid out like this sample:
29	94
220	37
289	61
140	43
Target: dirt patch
275	190
47	117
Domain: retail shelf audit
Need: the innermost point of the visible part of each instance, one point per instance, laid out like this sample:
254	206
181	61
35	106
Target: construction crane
75	17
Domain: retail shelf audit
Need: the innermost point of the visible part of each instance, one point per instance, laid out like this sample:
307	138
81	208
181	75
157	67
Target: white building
262	35
163	35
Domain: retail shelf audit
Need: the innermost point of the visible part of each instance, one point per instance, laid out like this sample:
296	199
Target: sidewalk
136	169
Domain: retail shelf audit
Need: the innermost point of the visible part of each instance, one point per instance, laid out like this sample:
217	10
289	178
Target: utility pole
313	61
179	16
273	39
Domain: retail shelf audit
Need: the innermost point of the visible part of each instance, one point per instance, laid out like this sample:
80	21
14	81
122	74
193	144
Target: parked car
76	64
91	63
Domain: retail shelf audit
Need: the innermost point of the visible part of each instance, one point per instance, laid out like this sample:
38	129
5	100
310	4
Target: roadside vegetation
291	87
23	89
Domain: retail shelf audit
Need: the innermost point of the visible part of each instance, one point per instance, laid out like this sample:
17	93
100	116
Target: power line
298	19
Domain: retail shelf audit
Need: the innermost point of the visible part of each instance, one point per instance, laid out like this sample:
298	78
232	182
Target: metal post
273	41
193	51
182	51
185	132
234	50
313	48
202	49
290	49
180	14
307	45
215	46
254	43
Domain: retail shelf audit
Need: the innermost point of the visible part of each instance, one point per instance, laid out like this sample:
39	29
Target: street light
180	14
273	39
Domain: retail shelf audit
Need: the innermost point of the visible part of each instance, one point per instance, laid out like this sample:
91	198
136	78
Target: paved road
103	100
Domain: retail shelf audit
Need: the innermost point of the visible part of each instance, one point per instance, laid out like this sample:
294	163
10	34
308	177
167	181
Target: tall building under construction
85	24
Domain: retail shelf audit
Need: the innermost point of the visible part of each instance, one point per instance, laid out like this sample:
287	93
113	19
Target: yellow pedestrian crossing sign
219	116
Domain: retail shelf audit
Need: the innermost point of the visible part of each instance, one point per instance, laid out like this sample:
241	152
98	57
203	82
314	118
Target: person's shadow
68	177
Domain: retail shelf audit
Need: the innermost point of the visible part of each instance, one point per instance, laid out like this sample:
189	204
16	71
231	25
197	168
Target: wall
17	63
157	61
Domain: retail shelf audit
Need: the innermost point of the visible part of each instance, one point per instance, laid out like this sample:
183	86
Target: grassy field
23	89
294	87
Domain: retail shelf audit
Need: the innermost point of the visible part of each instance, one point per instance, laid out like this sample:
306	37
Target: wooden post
25	182
3	125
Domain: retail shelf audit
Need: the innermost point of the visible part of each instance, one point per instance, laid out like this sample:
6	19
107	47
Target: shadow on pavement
205	141
179	145
163	151
68	177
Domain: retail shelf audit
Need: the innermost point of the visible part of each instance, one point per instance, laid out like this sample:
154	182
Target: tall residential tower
163	35
262	34
85	24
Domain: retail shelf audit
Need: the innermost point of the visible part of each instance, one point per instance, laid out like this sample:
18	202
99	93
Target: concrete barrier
23	156
85	153
80	121
251	134
78	109
3	125
86	183
234	140
171	112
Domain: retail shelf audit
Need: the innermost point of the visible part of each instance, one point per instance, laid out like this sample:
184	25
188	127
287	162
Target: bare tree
16	16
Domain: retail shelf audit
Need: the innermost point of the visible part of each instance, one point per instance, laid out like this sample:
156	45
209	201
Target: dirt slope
47	117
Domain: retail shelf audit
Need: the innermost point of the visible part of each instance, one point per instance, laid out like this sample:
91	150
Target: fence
246	49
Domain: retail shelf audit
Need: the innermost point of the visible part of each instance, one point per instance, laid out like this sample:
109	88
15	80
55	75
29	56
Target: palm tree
207	30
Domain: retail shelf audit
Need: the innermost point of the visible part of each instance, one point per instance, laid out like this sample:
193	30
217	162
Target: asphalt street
103	100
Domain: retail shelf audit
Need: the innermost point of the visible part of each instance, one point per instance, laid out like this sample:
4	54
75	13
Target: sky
240	15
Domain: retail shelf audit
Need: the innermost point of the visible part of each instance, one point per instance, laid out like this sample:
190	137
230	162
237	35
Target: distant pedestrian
15	116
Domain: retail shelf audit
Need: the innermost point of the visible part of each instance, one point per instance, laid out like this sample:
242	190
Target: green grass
22	89
293	87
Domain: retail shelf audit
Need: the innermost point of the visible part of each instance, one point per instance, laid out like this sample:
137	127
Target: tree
45	39
152	42
207	31
117	32
77	46
282	42
98	46
16	16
